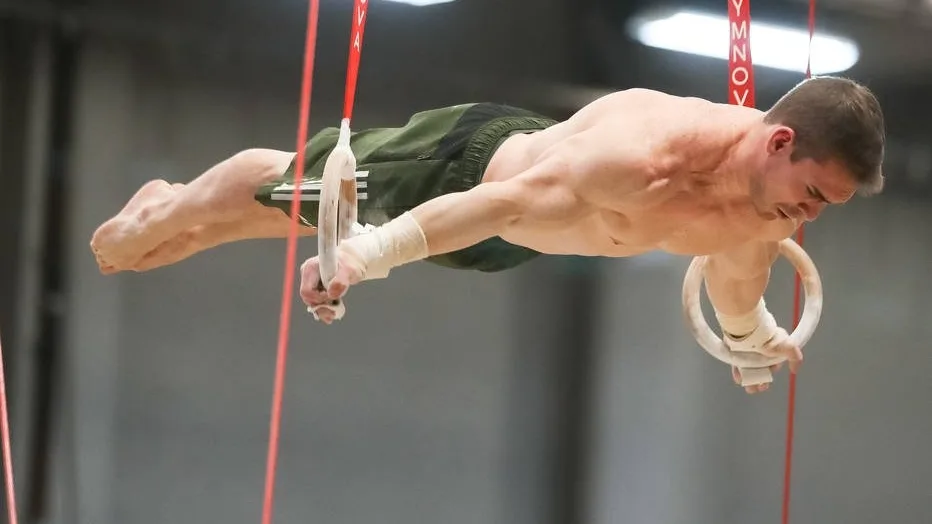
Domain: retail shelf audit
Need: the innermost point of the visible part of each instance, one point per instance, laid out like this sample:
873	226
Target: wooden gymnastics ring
337	213
812	312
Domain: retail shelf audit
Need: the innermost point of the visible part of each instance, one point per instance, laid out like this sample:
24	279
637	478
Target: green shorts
437	152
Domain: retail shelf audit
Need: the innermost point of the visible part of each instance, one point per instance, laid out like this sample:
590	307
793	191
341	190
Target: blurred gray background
564	392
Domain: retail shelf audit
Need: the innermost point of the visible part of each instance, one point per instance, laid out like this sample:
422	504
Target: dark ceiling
558	54
574	42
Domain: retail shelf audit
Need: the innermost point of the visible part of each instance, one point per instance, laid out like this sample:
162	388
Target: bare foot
258	222
172	251
120	242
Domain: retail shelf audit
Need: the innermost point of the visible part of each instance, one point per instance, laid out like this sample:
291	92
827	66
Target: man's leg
160	212
202	238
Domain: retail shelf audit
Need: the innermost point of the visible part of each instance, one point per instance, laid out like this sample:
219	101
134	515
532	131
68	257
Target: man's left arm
736	281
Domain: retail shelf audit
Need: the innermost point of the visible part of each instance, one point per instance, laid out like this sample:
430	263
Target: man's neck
739	165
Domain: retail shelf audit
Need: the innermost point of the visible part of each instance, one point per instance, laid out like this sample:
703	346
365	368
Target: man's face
798	190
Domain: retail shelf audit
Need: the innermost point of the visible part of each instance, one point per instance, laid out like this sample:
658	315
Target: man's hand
369	254
794	358
768	340
736	281
322	301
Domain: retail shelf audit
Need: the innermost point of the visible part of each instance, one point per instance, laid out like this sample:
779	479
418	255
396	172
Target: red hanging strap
740	65
797	306
741	92
360	14
284	325
7	447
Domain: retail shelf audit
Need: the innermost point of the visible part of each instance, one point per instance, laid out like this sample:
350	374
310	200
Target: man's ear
781	140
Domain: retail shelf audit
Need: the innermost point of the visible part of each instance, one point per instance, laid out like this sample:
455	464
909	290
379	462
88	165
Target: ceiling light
420	3
771	45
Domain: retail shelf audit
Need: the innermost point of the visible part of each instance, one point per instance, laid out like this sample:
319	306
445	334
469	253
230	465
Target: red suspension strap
797	299
284	325
359	20
7	447
360	13
741	92
740	65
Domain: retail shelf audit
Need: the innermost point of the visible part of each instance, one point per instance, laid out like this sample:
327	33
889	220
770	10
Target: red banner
360	12
740	66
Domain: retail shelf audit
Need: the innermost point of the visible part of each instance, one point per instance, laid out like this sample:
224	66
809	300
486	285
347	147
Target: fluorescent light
771	45
419	3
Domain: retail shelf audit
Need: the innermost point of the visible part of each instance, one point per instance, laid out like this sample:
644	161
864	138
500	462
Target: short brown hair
836	119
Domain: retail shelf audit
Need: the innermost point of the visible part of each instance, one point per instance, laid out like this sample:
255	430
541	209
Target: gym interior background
565	392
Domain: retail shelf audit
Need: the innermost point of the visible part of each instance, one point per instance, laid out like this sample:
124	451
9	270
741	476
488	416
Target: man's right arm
541	194
544	193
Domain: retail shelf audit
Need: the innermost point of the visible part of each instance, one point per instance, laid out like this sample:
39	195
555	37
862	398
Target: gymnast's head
822	143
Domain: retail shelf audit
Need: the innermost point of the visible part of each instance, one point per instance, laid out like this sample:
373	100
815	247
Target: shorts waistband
487	139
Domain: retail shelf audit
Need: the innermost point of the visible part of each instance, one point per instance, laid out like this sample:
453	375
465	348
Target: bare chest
676	229
688	229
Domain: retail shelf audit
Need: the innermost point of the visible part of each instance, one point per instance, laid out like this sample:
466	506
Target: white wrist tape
750	331
743	324
398	242
358	229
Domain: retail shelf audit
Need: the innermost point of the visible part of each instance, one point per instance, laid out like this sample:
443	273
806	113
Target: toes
105	268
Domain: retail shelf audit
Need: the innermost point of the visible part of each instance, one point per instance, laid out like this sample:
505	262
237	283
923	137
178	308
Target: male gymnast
487	187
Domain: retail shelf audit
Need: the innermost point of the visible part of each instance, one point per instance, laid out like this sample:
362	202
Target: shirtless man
487	187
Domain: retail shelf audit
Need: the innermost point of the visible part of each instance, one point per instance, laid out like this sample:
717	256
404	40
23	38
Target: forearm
737	302
447	223
735	296
736	283
456	221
